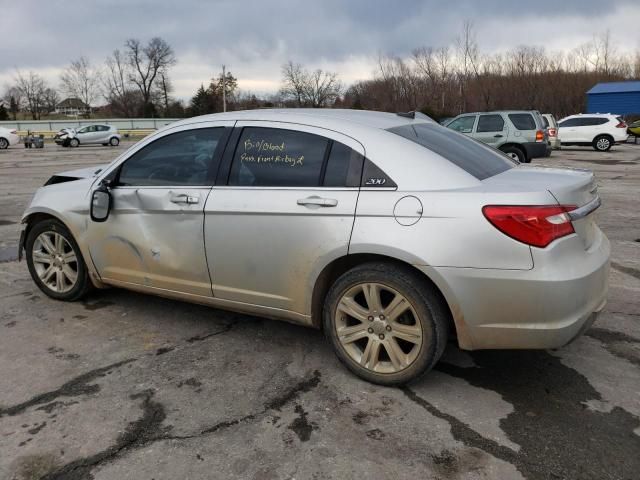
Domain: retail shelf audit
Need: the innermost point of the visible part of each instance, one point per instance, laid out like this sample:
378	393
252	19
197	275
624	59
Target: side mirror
100	204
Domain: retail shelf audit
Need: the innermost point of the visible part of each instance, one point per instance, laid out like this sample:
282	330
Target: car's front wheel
114	141
55	262
74	142
385	323
602	143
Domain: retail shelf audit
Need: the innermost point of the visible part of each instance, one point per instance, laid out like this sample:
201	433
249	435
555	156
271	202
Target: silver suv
390	233
520	134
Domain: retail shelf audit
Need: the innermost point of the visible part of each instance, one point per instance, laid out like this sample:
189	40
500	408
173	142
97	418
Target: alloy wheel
378	328
55	262
603	144
3	143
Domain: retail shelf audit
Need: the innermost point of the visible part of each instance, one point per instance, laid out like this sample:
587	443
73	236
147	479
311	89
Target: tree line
133	82
440	81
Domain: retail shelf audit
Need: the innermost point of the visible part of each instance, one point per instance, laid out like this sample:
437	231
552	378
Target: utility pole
224	90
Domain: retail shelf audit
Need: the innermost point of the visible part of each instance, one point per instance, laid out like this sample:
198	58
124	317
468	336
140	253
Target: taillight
552	132
535	225
621	125
539	136
15	132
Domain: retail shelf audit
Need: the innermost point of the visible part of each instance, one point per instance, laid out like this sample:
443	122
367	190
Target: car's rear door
491	129
153	237
283	205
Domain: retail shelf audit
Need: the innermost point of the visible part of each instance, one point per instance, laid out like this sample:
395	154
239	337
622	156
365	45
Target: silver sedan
391	233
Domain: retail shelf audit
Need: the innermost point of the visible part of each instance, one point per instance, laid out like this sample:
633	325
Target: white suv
600	130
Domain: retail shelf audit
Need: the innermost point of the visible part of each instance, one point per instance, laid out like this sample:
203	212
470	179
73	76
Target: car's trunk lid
568	186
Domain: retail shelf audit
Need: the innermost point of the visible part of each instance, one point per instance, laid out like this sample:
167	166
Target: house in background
72	107
620	98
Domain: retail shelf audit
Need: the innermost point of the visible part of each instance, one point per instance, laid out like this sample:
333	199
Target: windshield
472	156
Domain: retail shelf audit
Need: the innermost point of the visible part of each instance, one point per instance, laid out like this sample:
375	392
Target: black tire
82	284
430	310
4	143
74	142
602	143
516	153
114	141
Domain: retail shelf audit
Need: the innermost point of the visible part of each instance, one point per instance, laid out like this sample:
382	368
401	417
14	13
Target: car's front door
491	129
570	130
463	124
283	204
86	135
154	234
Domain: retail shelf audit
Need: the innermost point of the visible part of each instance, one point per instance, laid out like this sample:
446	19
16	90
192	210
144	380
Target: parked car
552	130
390	233
634	128
600	130
87	135
8	137
519	134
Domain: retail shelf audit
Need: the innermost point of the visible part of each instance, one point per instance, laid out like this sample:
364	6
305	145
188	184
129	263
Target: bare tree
80	80
294	79
117	86
468	59
31	87
146	63
50	100
315	89
13	98
166	88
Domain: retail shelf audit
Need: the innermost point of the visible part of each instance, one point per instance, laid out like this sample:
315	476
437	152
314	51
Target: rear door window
523	121
273	157
490	123
472	156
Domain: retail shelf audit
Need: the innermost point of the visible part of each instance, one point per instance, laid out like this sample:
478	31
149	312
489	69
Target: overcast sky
254	38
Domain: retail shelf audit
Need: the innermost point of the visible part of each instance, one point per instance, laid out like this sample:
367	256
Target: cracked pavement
124	385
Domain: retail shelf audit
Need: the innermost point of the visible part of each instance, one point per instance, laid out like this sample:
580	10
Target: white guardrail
55	125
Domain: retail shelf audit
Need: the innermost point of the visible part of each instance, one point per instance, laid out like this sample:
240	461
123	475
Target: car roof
498	111
321	117
578	115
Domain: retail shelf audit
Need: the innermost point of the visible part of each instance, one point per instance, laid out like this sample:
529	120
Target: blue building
621	98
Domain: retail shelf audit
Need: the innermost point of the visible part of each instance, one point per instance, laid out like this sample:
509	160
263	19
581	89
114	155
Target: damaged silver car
391	233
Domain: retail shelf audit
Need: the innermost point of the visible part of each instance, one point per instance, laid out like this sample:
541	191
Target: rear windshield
472	156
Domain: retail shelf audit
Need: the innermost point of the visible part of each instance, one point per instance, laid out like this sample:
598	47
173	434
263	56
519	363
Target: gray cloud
256	37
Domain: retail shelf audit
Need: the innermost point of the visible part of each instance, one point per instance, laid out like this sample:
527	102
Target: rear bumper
536	149
545	307
555	142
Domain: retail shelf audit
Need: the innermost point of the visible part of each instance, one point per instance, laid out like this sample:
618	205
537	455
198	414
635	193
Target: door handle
318	202
497	136
183	198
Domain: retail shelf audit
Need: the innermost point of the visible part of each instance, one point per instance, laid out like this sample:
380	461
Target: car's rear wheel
385	323
602	143
4	143
114	142
55	262
74	142
515	153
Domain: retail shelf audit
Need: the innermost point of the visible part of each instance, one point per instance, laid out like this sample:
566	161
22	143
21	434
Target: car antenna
407	114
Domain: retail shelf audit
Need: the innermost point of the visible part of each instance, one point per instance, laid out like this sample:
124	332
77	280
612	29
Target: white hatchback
600	130
8	137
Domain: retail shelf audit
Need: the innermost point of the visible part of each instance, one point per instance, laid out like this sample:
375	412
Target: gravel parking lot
124	385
